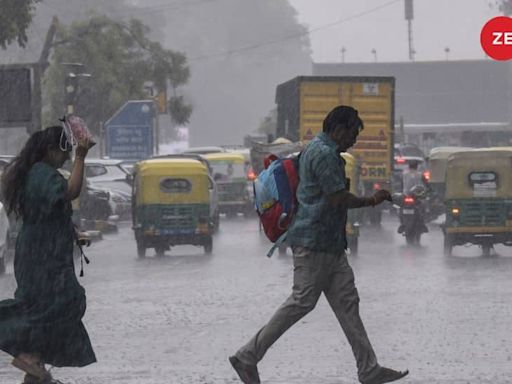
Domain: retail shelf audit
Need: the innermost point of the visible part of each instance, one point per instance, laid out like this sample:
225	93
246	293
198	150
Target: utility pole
409	16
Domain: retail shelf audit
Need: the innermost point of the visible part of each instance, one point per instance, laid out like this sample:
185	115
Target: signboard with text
130	131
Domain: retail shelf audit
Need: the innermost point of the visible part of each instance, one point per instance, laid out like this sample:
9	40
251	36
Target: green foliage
119	57
179	110
15	18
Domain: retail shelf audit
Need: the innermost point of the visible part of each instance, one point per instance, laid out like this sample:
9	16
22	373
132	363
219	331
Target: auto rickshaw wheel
486	250
141	250
160	251
208	246
447	245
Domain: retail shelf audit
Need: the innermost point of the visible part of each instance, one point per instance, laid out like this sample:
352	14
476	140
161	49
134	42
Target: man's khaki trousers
314	273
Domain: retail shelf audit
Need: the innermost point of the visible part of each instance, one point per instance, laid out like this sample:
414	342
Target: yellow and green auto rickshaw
437	161
478	199
230	173
170	205
352	174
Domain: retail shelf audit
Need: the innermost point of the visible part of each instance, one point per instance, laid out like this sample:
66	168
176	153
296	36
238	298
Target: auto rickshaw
478	199
230	173
170	205
353	217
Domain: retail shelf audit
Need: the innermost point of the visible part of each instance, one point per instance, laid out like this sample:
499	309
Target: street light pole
343	50
374	51
409	16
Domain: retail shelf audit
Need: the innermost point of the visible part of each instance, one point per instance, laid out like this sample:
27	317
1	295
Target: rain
157	191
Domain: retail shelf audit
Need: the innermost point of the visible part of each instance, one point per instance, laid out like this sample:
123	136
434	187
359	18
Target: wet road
176	319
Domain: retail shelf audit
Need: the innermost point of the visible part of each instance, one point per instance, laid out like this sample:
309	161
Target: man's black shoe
247	373
386	375
401	228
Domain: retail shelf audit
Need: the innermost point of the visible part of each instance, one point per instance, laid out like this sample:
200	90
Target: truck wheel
208	246
447	245
141	250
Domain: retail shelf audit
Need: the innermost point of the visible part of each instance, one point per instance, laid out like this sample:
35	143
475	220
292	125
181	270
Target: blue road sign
130	131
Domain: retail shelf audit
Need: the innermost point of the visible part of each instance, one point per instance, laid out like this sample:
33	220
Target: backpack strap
277	244
269	159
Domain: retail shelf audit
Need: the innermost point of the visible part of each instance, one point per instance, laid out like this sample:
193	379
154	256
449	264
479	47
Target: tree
239	51
120	58
15	18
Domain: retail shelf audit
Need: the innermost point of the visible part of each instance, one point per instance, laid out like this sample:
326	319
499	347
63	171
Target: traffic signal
71	87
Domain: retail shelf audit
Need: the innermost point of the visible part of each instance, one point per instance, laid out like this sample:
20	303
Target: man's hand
381	195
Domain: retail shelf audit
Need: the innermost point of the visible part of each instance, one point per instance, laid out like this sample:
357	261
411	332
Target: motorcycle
411	214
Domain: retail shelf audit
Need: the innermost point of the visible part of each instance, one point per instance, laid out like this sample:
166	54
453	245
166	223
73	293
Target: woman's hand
83	147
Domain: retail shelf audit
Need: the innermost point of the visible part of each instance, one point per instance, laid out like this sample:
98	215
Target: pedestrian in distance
318	241
43	323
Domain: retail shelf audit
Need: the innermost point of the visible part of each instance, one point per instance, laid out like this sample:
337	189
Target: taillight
203	226
426	175
251	175
376	186
400	160
408	200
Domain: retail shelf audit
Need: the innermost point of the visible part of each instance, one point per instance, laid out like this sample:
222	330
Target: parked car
111	176
4	161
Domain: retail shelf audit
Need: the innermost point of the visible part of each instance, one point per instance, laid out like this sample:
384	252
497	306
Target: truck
303	103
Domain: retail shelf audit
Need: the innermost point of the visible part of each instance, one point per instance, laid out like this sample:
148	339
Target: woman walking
42	324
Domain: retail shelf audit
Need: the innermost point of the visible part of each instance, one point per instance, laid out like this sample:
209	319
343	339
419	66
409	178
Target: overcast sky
437	24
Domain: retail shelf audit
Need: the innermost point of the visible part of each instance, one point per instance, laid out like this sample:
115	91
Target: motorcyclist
410	179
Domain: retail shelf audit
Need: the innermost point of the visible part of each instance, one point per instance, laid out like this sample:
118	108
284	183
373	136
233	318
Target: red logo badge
496	38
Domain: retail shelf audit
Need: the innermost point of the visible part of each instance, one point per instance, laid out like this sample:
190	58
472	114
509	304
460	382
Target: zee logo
496	38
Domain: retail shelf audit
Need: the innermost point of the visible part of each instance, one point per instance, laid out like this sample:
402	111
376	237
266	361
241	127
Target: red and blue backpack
275	196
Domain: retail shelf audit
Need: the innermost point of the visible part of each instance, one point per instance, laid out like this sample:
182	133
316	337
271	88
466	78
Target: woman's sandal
33	369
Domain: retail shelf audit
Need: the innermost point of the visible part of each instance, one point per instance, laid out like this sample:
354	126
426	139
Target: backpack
275	196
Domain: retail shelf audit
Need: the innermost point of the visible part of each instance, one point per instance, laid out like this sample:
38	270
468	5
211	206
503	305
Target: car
112	176
4	161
